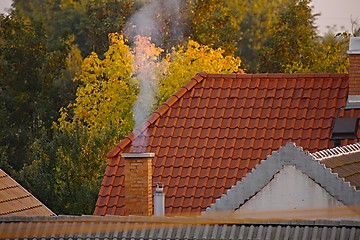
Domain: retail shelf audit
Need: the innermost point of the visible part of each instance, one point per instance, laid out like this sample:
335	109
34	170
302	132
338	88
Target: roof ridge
157	114
335	152
290	154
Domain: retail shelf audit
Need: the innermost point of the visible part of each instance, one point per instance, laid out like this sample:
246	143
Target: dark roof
216	128
86	227
265	171
17	201
345	161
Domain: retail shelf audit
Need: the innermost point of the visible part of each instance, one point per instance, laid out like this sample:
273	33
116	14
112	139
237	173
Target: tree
292	41
256	26
29	74
67	170
105	94
100	19
88	21
330	56
69	164
215	23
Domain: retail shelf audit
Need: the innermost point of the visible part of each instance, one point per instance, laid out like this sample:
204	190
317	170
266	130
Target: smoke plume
147	29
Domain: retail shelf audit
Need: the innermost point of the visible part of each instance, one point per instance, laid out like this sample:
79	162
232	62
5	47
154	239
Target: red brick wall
138	186
354	74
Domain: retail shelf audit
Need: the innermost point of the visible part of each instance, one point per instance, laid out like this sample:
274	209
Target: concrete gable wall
290	189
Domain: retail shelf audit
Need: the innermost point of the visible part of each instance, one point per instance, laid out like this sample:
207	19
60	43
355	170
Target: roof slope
84	227
345	161
216	128
17	201
264	172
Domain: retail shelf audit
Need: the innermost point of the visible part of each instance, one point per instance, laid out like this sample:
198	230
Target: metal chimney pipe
159	200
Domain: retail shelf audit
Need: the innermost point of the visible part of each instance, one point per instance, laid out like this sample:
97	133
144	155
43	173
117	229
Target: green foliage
295	48
67	170
88	21
256	27
215	23
100	19
29	96
292	40
329	57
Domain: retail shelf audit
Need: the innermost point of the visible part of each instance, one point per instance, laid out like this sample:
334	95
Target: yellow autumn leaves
109	86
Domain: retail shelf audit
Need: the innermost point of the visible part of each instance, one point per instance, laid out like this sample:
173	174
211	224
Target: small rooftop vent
344	128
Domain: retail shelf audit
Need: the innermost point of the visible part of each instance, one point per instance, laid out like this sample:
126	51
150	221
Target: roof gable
17	201
265	171
290	190
216	128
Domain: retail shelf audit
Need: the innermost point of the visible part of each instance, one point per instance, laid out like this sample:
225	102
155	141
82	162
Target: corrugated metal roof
66	227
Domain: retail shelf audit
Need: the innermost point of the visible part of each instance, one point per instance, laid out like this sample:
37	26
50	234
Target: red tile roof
17	201
217	127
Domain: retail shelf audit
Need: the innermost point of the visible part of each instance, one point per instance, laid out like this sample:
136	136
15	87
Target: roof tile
218	127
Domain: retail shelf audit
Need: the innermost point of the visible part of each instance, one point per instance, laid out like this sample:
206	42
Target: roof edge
157	114
335	152
210	220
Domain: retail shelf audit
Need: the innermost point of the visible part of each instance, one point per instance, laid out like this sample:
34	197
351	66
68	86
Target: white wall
292	193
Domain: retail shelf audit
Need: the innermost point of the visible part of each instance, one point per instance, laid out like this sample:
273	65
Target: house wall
289	191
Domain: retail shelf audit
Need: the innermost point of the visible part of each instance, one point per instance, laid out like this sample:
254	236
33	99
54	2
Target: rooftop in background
216	128
17	201
345	161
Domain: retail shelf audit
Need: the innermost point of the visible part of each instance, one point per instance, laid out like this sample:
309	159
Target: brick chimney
354	73
138	183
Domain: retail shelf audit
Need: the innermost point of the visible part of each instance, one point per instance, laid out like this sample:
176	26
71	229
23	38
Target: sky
333	12
336	12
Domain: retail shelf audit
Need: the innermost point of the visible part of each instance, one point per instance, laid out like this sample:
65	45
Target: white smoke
149	22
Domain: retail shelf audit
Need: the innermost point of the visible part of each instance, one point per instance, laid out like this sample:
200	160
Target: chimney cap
159	187
138	155
354	46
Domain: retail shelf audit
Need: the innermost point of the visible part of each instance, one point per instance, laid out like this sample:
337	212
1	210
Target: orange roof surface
217	127
16	201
